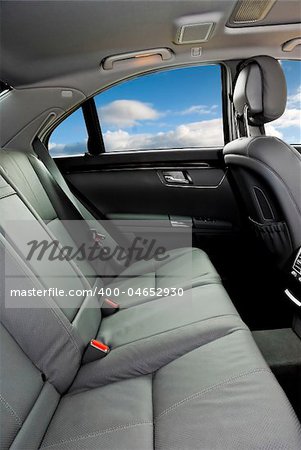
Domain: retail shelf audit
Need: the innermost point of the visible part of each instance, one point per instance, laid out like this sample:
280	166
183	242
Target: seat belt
43	154
114	235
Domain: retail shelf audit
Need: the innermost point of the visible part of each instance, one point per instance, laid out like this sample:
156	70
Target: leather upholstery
183	372
267	171
184	267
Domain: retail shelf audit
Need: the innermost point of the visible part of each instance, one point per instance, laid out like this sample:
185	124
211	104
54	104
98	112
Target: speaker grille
189	34
249	11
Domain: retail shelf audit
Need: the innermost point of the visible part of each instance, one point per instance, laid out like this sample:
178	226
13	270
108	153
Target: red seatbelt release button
95	350
100	346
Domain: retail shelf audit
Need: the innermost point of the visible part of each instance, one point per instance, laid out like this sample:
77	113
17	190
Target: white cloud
197	134
290	118
75	148
127	113
207	133
199	109
272	131
295	99
54	145
289	121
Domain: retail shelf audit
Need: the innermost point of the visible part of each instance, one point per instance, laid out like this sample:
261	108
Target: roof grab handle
164	53
290	45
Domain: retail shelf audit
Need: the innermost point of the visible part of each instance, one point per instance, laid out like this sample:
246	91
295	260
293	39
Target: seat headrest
260	86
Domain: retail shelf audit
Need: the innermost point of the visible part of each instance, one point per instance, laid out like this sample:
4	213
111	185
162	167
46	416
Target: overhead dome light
250	11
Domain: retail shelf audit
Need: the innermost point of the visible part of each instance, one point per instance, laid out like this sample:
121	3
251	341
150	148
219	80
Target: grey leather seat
220	396
181	373
217	393
184	268
150	324
267	171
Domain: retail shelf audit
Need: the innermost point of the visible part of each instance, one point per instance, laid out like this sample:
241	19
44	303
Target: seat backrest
266	171
57	207
63	325
43	337
25	173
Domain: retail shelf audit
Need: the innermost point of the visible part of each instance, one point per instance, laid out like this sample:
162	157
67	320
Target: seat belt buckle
100	346
97	237
109	307
95	350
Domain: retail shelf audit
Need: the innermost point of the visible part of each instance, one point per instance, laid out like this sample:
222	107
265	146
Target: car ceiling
48	40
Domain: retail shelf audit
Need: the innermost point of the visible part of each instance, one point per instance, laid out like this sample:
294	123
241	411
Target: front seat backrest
266	170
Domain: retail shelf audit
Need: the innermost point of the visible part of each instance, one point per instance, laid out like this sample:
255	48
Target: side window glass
171	109
70	137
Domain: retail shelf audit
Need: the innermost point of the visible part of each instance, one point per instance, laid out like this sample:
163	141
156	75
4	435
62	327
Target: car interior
164	137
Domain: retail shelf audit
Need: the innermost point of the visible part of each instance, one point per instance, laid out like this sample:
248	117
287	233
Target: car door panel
123	184
131	186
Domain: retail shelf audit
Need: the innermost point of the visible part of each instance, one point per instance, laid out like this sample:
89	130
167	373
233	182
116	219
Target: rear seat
40	190
181	374
151	324
228	401
218	396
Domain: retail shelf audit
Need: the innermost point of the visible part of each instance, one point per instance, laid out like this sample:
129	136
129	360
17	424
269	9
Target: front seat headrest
261	87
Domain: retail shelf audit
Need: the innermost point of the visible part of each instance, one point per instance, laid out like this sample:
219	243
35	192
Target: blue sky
170	92
176	108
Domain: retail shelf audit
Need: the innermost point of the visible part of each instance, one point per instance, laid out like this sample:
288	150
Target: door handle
176	177
171	179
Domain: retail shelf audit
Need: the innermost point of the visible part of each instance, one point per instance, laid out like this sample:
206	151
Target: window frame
93	122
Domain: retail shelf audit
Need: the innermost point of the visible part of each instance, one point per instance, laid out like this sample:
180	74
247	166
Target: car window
171	109
70	137
177	108
287	127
